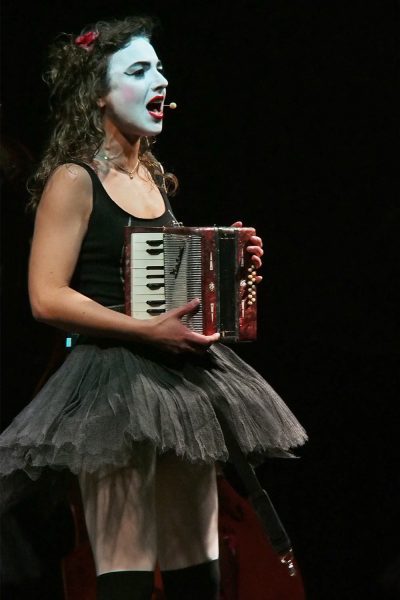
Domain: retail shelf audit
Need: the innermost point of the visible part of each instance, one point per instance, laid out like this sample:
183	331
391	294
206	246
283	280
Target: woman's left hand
256	250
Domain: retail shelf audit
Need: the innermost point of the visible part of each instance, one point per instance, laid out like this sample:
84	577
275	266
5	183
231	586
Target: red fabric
250	569
86	40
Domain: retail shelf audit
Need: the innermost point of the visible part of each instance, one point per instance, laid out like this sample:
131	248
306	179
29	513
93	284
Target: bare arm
60	227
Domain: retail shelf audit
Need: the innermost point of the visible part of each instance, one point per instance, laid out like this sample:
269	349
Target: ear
101	102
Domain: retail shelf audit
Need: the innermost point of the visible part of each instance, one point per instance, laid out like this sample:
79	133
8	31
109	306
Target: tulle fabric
106	399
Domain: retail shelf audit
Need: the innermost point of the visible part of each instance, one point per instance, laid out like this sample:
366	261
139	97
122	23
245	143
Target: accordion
166	267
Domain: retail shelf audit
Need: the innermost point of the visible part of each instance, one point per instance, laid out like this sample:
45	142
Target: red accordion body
166	267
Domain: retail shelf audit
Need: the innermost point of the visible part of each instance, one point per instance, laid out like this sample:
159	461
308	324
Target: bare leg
187	513
187	528
120	516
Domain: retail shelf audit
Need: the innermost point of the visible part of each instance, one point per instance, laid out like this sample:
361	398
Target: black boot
125	585
200	582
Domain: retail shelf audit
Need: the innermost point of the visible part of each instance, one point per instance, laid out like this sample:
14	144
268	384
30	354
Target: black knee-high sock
125	585
200	582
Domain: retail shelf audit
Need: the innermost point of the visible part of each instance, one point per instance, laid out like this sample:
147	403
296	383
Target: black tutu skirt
107	397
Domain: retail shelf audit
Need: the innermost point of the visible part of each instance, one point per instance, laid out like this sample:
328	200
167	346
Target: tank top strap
98	189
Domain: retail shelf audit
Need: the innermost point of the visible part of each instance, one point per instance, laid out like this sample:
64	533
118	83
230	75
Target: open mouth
155	107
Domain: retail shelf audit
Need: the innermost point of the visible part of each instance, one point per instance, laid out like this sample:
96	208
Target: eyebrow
144	63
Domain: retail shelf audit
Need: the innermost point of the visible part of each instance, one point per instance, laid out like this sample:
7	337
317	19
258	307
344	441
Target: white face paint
137	89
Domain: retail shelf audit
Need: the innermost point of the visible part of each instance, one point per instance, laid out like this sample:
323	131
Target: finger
213	338
255	250
256	240
237	224
256	260
204	340
259	279
186	309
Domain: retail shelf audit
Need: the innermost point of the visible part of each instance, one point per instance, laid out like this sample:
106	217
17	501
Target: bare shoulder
69	188
70	174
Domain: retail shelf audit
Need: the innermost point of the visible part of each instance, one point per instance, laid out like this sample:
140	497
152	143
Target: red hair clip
87	40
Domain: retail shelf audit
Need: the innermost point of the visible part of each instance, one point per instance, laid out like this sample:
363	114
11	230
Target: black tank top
99	272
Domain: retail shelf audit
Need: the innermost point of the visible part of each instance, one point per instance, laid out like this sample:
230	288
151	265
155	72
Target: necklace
131	173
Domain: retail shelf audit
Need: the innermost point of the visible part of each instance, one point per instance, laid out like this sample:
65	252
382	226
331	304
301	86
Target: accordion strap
258	497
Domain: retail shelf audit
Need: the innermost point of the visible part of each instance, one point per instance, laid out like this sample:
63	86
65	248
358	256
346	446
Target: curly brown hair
77	77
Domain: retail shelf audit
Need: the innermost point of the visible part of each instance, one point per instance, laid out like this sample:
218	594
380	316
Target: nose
160	82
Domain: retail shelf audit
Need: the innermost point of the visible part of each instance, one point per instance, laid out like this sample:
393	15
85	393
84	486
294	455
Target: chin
155	129
145	132
132	131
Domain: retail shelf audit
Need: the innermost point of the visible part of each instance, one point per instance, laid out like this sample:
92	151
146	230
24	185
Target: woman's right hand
168	333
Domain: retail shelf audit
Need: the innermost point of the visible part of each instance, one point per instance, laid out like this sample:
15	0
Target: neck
116	144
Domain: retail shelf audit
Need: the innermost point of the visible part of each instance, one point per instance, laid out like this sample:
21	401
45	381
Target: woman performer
130	411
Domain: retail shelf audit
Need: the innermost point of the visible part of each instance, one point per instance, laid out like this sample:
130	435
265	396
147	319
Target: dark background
287	120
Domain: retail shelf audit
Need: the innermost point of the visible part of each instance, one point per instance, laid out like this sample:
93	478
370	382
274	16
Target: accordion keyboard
165	272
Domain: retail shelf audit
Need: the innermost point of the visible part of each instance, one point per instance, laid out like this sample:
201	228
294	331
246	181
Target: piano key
140	237
143	294
154	265
143	291
146	254
147	314
155	303
155	242
155	286
144	272
155	251
144	306
143	277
